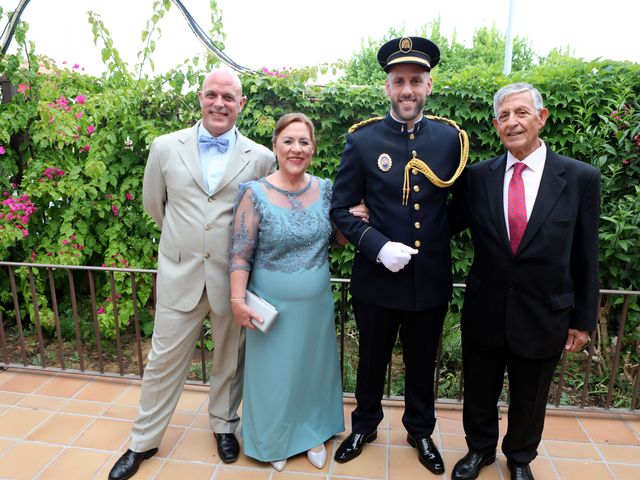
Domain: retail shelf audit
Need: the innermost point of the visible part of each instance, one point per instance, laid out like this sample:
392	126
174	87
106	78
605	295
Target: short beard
412	116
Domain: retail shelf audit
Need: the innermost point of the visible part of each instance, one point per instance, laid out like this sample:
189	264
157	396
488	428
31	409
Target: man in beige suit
191	181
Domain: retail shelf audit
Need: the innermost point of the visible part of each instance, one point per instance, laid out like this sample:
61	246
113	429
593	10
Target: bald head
224	75
221	101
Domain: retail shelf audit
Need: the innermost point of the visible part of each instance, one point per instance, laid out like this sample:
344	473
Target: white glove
395	255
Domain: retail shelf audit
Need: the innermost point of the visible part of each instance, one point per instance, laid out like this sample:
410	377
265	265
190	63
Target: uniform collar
402	126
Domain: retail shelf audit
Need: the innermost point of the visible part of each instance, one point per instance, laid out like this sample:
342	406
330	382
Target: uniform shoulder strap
363	123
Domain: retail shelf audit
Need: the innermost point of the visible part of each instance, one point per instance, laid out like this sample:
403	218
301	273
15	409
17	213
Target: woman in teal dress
292	400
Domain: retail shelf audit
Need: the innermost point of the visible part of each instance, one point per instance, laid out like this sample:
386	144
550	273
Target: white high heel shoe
279	464
317	459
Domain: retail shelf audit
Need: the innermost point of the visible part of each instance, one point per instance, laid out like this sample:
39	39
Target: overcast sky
294	33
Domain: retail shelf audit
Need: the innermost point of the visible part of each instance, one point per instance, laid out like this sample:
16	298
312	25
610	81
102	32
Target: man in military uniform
401	165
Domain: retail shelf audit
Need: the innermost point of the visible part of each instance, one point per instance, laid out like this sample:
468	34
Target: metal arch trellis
10	27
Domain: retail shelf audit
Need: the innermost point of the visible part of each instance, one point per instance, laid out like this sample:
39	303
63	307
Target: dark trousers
419	334
529	382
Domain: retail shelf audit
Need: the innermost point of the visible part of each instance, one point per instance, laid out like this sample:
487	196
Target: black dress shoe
352	446
129	463
520	471
228	447
428	453
468	467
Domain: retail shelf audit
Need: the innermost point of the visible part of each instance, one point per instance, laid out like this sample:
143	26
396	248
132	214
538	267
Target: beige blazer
196	226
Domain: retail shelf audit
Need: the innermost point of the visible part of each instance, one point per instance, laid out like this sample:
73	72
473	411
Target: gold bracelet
237	299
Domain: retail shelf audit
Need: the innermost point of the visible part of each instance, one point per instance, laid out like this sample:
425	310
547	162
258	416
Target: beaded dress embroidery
292	228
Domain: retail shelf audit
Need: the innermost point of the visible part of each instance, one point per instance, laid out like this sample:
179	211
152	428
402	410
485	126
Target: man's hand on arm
576	339
395	255
361	211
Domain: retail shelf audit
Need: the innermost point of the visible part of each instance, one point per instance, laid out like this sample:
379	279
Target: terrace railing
97	321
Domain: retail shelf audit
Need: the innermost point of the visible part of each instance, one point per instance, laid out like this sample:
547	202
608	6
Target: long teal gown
292	398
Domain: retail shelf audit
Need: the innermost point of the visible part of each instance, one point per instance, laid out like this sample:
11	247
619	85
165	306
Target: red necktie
517	207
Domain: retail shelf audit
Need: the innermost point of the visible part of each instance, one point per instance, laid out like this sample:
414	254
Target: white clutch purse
267	312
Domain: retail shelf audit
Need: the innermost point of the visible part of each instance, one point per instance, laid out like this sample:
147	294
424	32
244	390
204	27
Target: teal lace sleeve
245	228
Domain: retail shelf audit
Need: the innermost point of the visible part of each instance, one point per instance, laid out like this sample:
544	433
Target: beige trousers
173	343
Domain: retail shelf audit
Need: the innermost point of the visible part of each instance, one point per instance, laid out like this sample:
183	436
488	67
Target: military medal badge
384	162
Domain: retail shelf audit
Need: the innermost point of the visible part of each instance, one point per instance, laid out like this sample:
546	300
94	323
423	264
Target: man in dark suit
401	279
533	286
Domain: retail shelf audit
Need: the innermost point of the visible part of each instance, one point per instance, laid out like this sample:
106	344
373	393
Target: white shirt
212	162
531	177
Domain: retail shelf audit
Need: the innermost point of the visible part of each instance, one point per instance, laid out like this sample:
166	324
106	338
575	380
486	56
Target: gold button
417	225
416	188
210	199
412	136
414	171
416	206
417	243
206	255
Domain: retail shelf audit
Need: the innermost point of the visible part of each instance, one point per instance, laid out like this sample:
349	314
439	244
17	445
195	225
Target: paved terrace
71	427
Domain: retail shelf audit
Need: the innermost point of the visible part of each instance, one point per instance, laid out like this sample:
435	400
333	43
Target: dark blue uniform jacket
422	224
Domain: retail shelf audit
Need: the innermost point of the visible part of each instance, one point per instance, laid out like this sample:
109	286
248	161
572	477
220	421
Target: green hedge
73	149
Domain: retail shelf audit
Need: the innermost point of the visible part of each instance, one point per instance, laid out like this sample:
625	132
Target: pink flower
114	209
50	119
80	98
86	148
91	129
65	241
128	196
23	87
79	115
76	66
100	310
2	150
72	237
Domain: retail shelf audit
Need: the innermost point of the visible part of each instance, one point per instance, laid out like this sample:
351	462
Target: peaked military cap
416	50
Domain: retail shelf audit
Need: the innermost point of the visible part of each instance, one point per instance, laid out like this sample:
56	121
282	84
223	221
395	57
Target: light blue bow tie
222	144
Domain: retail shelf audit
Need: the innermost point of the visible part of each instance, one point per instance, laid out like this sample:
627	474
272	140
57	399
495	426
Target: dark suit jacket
422	223
529	300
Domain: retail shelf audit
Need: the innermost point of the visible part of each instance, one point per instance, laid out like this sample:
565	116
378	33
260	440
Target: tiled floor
70	427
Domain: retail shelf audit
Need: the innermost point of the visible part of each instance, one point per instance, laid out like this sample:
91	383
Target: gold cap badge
406	44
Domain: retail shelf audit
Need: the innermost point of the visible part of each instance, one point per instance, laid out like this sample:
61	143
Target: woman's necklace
293	197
